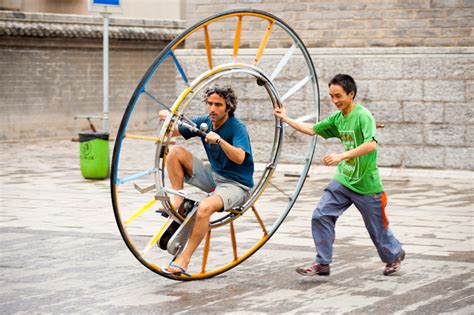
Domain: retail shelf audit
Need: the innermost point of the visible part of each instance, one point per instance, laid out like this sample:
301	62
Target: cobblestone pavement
61	251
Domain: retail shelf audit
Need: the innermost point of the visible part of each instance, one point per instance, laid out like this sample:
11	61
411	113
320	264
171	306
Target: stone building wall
422	96
361	23
413	61
51	70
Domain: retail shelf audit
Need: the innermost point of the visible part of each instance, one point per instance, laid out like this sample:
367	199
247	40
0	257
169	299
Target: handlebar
201	131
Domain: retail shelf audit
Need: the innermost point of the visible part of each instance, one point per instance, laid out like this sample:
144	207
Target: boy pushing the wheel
357	179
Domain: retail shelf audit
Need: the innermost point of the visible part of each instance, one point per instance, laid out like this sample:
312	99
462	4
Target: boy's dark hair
346	82
227	93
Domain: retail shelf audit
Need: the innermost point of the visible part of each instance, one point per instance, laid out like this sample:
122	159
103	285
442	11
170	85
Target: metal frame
177	112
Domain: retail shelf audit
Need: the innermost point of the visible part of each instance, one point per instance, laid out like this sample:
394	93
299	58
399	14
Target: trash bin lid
87	136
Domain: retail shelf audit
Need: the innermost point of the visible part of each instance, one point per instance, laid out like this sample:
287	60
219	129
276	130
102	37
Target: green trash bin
94	154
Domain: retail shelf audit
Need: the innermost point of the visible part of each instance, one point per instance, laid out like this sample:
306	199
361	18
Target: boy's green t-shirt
359	174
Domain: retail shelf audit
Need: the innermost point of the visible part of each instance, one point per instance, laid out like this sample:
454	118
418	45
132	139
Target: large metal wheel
139	184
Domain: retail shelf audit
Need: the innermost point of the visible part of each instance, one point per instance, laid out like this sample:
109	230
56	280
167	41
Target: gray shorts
232	193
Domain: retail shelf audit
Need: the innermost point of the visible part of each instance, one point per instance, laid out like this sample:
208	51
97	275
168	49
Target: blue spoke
180	69
121	135
155	99
135	176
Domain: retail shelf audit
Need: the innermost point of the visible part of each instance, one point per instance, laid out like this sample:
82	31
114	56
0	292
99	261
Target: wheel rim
137	224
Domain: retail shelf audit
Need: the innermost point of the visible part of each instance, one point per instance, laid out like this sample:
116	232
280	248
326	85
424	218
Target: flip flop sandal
181	271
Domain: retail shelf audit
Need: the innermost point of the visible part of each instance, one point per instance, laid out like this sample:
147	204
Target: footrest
179	239
171	227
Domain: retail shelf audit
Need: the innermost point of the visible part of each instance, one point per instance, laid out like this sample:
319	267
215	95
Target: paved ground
61	251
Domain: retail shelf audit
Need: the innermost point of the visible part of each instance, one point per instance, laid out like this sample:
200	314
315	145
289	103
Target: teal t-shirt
234	132
359	174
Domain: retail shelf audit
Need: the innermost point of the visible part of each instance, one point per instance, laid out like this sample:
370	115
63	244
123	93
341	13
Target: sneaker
394	267
314	269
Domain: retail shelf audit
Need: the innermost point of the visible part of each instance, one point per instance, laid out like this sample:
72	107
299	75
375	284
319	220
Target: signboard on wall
105	6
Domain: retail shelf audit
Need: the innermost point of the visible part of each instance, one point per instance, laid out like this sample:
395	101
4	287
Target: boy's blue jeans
335	200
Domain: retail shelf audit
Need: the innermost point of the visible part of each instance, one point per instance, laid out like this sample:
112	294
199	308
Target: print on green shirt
359	174
349	167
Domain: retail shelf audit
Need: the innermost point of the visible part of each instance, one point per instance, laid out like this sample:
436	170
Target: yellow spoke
264	42
238	14
141	137
259	221
205	252
233	263
155	237
232	237
139	212
237	38
208	47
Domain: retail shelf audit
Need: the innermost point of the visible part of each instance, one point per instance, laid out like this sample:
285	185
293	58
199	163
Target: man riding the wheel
229	174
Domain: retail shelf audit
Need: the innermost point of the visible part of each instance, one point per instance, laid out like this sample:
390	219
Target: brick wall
413	61
423	96
51	71
362	23
44	83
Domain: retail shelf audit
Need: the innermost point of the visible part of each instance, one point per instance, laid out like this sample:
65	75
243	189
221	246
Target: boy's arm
364	148
302	127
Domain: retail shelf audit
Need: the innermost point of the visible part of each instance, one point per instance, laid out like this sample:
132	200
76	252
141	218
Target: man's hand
235	154
212	137
163	114
332	159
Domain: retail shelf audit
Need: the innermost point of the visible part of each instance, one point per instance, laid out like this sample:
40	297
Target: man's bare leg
206	208
179	163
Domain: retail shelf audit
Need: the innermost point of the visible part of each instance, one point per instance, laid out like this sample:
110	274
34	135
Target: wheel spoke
283	61
136	176
155	238
279	189
238	31
264	42
151	96
205	252
180	69
129	136
265	233
296	88
233	240
152	71
306	117
208	47
140	211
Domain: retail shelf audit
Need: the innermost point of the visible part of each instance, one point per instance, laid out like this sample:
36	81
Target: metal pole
105	121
